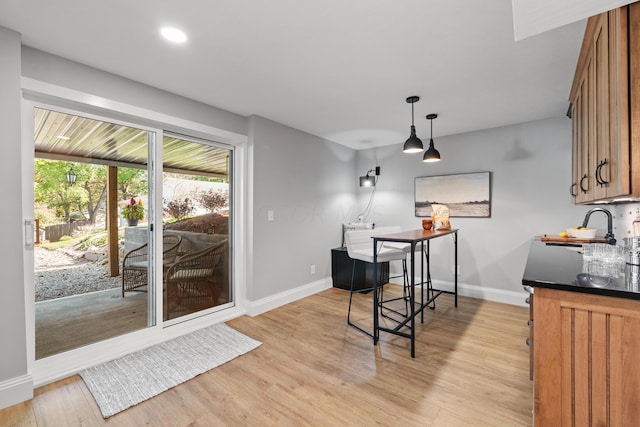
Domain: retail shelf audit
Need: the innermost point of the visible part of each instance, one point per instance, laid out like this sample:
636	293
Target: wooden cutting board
569	240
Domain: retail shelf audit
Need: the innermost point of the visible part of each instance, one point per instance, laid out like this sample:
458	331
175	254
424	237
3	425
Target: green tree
131	183
89	192
92	179
52	189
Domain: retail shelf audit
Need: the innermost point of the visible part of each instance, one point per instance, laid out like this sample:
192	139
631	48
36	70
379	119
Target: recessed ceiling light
173	34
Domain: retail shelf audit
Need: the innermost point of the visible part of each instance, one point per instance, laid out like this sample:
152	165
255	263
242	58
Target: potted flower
133	212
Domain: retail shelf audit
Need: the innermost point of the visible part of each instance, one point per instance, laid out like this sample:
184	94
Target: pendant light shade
413	143
431	155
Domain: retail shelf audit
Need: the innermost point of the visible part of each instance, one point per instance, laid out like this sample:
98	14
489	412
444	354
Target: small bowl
588	233
427	224
593	281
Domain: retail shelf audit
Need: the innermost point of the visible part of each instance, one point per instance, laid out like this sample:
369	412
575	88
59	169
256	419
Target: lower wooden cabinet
586	359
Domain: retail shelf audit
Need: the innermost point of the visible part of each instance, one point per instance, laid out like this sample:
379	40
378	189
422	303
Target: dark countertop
561	267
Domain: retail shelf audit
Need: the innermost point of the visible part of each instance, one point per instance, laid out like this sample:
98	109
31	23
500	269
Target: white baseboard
16	390
481	292
254	308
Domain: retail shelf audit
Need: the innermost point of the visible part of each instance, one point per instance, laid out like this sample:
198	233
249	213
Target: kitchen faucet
609	236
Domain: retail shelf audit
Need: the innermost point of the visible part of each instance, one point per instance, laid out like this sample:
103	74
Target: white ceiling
334	68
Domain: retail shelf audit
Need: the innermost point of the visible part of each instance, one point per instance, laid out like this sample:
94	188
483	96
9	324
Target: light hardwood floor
471	369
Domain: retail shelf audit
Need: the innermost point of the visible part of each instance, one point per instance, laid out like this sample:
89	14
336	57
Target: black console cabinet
341	267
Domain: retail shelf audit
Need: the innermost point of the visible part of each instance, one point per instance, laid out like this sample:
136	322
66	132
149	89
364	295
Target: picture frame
467	195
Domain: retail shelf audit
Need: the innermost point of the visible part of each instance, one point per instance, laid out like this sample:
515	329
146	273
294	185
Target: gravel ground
63	272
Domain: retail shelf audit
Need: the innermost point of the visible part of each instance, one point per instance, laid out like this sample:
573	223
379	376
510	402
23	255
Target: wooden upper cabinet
583	184
600	98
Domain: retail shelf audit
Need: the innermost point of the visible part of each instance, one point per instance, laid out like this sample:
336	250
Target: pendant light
413	144
431	155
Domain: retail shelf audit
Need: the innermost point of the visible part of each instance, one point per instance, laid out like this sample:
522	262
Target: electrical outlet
313	269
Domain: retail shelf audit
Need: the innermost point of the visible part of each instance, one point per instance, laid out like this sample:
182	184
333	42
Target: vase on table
132	222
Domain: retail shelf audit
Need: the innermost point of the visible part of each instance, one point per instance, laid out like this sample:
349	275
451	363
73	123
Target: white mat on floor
134	378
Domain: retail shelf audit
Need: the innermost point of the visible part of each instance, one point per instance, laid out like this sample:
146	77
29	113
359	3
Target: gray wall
531	173
53	69
13	356
309	185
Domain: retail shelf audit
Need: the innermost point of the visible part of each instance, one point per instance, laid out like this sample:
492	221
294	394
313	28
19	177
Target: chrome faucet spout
609	236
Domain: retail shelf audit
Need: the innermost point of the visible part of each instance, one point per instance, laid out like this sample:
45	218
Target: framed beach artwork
465	194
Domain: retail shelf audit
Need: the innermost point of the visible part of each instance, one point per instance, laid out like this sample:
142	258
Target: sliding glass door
197	202
121	245
93	263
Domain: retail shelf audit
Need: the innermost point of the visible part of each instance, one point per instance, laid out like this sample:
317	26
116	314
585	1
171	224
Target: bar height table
413	237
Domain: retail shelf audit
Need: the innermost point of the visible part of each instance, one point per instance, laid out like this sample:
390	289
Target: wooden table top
414	235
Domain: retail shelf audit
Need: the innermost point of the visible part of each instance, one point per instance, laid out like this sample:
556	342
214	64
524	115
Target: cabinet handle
574	185
597	174
599	178
584	190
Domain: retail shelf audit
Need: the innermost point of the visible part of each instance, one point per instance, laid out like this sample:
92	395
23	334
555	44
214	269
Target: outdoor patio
66	323
77	303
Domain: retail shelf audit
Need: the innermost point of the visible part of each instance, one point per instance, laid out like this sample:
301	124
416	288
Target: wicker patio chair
136	263
191	282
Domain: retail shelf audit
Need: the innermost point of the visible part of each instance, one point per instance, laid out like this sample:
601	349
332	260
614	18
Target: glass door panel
91	262
196	195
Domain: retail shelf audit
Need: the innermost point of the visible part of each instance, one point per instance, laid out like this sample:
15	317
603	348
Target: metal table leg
455	273
376	332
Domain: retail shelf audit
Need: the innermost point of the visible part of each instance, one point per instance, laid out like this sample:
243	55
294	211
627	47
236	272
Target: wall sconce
431	155
71	176
370	180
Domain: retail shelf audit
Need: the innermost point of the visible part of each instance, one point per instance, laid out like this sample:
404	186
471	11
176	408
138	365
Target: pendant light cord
412	124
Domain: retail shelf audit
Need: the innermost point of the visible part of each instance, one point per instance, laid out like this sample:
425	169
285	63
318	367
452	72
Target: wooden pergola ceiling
61	136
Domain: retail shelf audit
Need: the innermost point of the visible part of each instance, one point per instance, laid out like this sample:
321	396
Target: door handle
29	231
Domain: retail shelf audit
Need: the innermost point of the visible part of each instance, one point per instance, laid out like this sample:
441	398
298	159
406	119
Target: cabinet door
582	124
600	115
615	171
585	367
